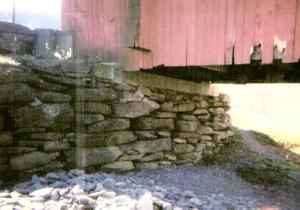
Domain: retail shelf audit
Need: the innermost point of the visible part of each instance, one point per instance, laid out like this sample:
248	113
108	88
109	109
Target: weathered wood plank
248	31
230	31
132	23
296	55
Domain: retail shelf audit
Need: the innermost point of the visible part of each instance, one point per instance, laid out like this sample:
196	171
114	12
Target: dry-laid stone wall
67	114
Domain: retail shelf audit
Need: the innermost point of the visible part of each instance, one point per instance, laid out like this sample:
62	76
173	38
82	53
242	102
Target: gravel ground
218	187
183	187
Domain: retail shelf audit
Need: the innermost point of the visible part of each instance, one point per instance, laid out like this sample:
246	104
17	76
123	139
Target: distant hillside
34	21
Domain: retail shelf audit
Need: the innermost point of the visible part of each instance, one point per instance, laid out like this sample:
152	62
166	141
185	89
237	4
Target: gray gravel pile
185	187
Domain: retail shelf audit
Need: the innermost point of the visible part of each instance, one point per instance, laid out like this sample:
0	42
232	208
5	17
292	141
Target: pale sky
33	13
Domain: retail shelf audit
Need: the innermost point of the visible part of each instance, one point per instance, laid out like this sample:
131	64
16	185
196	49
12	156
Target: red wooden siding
186	32
97	24
297	33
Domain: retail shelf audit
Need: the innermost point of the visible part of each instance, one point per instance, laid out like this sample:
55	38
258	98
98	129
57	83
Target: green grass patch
265	139
266	174
293	166
230	152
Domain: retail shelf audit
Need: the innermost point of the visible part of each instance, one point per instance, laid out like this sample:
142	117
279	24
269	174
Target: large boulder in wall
135	109
31	160
54	117
17	94
96	156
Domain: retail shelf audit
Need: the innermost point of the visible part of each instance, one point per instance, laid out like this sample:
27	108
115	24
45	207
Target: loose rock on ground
184	187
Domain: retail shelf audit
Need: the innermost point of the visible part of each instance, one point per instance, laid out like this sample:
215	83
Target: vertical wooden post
132	23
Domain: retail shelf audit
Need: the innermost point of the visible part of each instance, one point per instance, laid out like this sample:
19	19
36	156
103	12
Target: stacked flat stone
184	126
65	115
37	121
